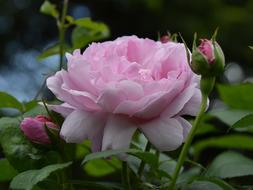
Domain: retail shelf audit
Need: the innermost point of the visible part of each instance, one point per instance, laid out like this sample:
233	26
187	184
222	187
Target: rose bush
116	87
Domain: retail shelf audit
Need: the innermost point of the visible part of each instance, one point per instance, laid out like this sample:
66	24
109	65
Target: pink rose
117	87
206	48
34	128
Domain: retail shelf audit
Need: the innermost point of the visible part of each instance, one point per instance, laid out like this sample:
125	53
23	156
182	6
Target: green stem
125	176
188	141
62	32
142	164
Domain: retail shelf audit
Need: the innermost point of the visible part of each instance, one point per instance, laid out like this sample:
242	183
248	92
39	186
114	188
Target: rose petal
165	134
81	125
186	126
193	105
149	106
118	132
113	95
178	103
64	109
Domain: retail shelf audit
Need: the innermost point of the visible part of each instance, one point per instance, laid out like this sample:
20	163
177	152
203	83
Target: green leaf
107	153
18	150
148	157
7	171
229	116
30	105
203	185
229	165
221	183
96	185
251	47
88	31
8	101
228	141
244	124
53	50
28	179
237	96
37	110
102	167
205	128
49	9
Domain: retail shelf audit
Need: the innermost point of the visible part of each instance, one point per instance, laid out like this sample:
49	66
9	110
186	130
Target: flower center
145	74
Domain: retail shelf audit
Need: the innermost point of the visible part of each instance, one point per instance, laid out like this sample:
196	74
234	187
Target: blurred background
25	33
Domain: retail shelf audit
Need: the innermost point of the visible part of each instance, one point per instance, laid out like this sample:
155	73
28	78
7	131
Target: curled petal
178	103
193	105
186	126
64	109
81	125
118	132
165	134
112	96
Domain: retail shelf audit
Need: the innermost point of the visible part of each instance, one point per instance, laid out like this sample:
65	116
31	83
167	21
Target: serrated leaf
106	154
88	31
49	9
28	179
228	141
7	171
8	101
237	96
18	150
229	165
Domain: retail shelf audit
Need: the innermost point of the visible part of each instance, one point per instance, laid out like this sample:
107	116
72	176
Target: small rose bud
164	39
207	59
34	129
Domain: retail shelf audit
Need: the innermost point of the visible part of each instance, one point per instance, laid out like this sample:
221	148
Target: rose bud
169	38
35	129
165	39
207	59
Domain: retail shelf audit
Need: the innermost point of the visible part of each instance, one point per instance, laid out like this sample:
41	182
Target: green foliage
237	96
244	124
7	171
97	185
226	141
53	50
102	167
49	9
8	101
229	116
30	105
88	31
148	157
107	153
18	150
229	165
28	179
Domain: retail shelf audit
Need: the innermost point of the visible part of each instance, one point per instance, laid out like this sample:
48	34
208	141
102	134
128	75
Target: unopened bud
34	129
